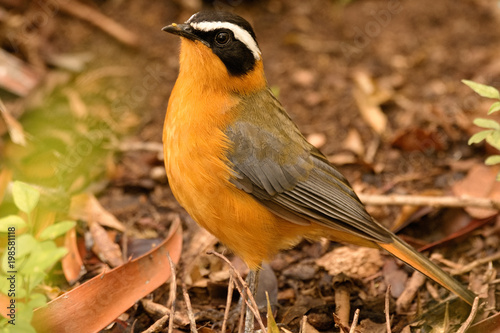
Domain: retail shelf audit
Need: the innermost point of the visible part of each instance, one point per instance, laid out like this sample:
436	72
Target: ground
376	84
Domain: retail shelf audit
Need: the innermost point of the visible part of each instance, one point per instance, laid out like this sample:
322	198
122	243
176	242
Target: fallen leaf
108	251
356	263
72	263
418	139
368	326
93	305
369	97
84	206
480	182
490	325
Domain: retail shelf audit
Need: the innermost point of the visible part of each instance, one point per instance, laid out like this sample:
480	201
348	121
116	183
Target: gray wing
274	163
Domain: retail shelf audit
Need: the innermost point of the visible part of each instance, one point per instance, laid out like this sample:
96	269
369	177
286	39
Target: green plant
28	254
491	132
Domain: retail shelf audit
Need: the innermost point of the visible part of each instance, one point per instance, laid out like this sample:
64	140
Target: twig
354	321
159	310
303	323
230	289
252	305
158	325
414	283
172	295
475	263
192	321
241	323
421	200
386	309
339	324
472	315
342	302
100	20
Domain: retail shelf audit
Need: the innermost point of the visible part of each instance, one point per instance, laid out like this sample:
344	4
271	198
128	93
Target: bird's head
220	49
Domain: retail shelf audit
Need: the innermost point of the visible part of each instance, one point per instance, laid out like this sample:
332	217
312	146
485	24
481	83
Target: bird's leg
252	281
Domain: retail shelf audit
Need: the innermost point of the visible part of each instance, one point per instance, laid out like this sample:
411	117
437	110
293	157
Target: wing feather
274	163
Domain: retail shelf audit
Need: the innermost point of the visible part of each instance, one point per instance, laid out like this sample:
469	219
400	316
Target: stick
471	317
414	283
100	20
421	200
230	289
159	310
192	321
475	263
386	309
158	325
252	305
172	294
354	321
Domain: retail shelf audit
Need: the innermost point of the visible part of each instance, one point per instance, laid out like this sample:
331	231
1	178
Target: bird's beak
183	30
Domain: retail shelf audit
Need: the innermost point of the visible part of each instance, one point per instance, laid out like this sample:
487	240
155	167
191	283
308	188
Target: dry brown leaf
86	207
480	182
356	263
368	326
16	131
490	325
107	251
418	139
72	263
93	305
369	98
354	143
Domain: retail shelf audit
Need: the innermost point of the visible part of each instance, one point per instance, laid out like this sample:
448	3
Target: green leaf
492	160
482	89
24	316
494	108
43	257
37	300
494	139
11	221
24	245
25	196
486	123
479	136
56	230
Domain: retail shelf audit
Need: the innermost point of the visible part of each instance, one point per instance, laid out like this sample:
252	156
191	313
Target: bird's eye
222	38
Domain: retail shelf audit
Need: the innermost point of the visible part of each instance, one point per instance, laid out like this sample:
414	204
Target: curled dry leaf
356	263
108	251
93	305
72	263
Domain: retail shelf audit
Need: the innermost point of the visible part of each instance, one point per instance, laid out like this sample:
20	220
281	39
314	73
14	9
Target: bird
241	168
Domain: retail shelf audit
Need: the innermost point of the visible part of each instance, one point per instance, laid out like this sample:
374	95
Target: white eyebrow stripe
239	33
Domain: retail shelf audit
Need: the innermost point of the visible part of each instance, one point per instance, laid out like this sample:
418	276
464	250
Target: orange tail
406	253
